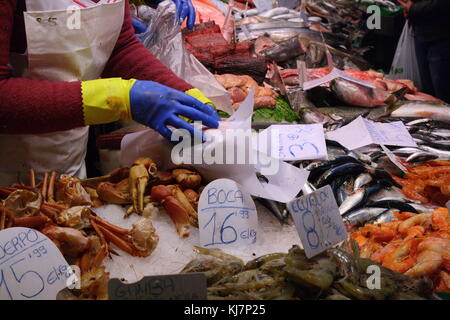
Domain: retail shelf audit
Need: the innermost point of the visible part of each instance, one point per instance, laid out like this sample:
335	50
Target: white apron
60	49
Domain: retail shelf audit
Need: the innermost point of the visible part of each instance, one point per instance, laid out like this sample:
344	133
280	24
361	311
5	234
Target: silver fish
386	216
419	109
362	180
406	151
441	153
363	215
352	200
421	157
286	16
274	12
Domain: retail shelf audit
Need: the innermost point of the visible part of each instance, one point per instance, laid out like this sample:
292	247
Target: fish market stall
377	150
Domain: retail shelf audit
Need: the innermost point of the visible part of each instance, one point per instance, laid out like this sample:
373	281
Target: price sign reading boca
31	266
227	215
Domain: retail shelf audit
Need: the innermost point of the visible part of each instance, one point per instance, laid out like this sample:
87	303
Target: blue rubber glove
157	106
185	9
139	26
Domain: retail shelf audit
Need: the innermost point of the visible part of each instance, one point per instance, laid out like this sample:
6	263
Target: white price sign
318	221
31	266
298	142
226	215
362	132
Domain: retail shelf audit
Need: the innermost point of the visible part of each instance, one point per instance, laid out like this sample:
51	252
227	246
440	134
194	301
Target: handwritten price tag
226	215
190	286
300	142
31	266
318	221
362	132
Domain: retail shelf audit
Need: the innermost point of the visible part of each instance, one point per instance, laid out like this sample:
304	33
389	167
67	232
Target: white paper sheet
284	184
362	132
298	142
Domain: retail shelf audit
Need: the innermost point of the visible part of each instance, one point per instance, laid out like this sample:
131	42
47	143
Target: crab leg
51	187
44	187
34	222
32	178
118	241
109	226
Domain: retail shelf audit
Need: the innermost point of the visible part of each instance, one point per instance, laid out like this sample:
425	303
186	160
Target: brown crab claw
114	193
187	178
140	173
174	209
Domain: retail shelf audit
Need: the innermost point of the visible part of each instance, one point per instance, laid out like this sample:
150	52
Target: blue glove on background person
157	106
185	9
139	26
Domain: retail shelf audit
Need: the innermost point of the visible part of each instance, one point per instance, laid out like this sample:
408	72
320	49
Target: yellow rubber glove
197	94
106	100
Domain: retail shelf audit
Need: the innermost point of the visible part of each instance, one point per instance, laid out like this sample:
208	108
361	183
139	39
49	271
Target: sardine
362	180
406	151
441	153
363	215
386	216
345	169
392	204
421	157
358	198
321	167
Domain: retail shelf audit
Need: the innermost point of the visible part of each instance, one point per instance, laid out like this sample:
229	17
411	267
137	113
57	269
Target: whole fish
406	151
386	216
419	109
363	215
358	198
346	169
283	51
321	167
363	179
393	204
441	153
421	157
358	95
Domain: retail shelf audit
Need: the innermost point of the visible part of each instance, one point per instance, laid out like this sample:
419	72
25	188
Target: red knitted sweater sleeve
33	106
131	59
36	106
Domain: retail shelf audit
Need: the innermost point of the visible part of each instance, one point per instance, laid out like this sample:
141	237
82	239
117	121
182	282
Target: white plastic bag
163	39
404	65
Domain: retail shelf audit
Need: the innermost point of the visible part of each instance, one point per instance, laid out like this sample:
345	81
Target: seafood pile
353	94
60	208
429	183
143	187
417	245
240	86
332	275
208	45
